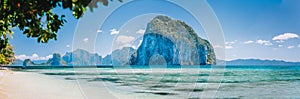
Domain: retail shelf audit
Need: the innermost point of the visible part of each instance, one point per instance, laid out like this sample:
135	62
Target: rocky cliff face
81	57
28	62
172	42
56	60
120	57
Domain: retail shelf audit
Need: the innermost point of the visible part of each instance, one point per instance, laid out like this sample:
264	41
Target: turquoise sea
192	82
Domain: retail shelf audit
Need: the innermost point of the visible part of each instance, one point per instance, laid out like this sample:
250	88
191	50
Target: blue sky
259	21
264	29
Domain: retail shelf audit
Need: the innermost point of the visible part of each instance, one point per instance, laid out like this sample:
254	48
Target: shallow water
192	82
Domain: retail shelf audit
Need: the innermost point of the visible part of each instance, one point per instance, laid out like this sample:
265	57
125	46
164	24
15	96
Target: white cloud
68	46
99	31
218	46
85	40
141	31
280	45
290	47
279	41
124	39
32	57
285	36
21	57
35	56
228	47
114	32
299	45
231	43
45	58
264	42
248	42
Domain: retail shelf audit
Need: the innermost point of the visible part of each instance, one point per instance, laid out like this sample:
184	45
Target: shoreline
25	85
31	85
54	67
37	84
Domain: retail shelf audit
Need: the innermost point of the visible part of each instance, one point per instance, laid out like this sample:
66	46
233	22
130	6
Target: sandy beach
91	83
26	85
31	85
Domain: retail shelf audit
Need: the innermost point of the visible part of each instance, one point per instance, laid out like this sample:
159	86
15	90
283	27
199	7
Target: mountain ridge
261	62
237	62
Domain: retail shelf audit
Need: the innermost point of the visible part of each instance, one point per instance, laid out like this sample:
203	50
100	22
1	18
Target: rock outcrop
28	62
120	57
54	61
172	42
81	57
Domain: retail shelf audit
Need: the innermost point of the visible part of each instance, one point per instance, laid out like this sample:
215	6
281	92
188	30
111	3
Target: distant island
84	58
165	42
259	62
78	57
